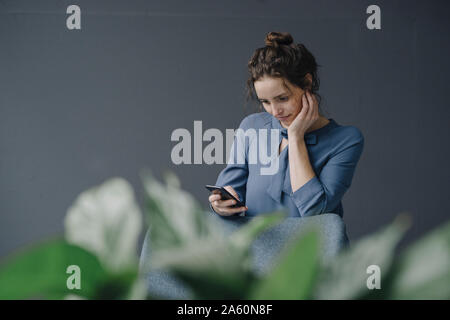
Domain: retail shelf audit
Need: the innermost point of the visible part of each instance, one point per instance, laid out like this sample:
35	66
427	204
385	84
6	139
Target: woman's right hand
223	207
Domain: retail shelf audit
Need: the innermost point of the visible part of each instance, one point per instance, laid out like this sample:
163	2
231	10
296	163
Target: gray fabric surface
264	250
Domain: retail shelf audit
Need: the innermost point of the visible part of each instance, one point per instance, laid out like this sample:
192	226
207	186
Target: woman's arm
234	176
322	194
235	173
300	167
311	194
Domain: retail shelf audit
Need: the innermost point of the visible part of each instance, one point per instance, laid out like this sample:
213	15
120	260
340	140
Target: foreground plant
194	248
101	232
102	228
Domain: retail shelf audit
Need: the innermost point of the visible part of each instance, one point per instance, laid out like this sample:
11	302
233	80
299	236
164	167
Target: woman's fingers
311	111
313	104
305	107
214	197
308	96
224	203
224	207
230	211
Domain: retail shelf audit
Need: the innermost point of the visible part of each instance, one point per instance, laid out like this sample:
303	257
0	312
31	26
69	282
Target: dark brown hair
283	59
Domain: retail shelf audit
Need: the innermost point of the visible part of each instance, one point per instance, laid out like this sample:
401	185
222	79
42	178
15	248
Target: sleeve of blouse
236	172
321	194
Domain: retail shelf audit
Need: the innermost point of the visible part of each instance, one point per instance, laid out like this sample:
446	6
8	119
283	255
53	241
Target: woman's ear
308	77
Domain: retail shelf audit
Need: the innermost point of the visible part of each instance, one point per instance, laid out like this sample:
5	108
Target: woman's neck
321	122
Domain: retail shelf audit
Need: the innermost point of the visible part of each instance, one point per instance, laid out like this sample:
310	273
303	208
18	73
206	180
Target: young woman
317	156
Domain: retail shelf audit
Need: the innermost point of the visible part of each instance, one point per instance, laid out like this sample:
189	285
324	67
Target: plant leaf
120	286
193	247
106	220
174	216
345	277
423	270
213	270
216	268
39	272
246	234
293	275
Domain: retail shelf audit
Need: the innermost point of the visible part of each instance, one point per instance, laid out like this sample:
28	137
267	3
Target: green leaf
423	270
106	220
194	248
216	268
246	234
138	289
213	270
174	216
293	275
120	286
345	277
39	272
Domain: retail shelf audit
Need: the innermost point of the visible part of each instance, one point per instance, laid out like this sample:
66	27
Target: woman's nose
277	110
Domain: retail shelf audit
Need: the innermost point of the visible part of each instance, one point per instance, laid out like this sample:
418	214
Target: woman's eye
283	99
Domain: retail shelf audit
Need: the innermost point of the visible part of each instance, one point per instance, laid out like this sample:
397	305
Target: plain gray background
80	106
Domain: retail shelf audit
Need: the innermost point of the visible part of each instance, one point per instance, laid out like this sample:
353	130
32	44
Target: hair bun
275	39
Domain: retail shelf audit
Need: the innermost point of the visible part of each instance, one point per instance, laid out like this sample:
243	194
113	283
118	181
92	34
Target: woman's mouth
282	118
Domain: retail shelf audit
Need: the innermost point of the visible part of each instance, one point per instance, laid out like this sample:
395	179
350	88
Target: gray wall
78	107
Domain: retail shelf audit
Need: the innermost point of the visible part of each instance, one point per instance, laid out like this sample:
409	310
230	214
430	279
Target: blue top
334	151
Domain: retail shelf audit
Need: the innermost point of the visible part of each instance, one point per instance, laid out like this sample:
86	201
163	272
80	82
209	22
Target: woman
317	157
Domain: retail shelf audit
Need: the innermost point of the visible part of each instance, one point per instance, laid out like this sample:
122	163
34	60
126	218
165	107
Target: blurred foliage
422	271
107	221
194	248
345	276
40	271
102	228
294	275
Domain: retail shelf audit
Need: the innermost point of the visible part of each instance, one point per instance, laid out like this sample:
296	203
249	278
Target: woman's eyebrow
281	94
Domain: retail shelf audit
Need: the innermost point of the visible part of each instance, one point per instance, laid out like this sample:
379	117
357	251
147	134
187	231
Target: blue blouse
334	151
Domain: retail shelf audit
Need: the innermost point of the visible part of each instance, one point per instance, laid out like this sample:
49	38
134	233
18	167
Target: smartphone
225	195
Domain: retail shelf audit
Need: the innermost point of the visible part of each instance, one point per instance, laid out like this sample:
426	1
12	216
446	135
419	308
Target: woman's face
280	102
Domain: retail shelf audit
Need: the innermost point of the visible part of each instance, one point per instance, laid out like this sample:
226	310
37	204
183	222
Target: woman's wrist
297	139
295	135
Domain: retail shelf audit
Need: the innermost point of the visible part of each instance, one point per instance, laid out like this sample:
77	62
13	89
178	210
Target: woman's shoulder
256	120
347	134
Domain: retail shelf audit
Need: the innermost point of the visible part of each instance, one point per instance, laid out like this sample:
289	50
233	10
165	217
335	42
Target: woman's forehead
269	87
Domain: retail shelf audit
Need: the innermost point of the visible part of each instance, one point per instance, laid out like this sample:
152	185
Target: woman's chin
287	121
285	124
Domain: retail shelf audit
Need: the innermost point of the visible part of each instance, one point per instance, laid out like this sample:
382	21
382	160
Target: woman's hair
283	59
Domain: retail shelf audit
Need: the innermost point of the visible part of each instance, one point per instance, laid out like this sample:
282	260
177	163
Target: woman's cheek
296	107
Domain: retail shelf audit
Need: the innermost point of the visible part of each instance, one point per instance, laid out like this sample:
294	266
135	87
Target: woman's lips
283	118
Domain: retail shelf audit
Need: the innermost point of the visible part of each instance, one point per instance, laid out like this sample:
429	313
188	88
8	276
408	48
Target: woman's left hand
306	117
